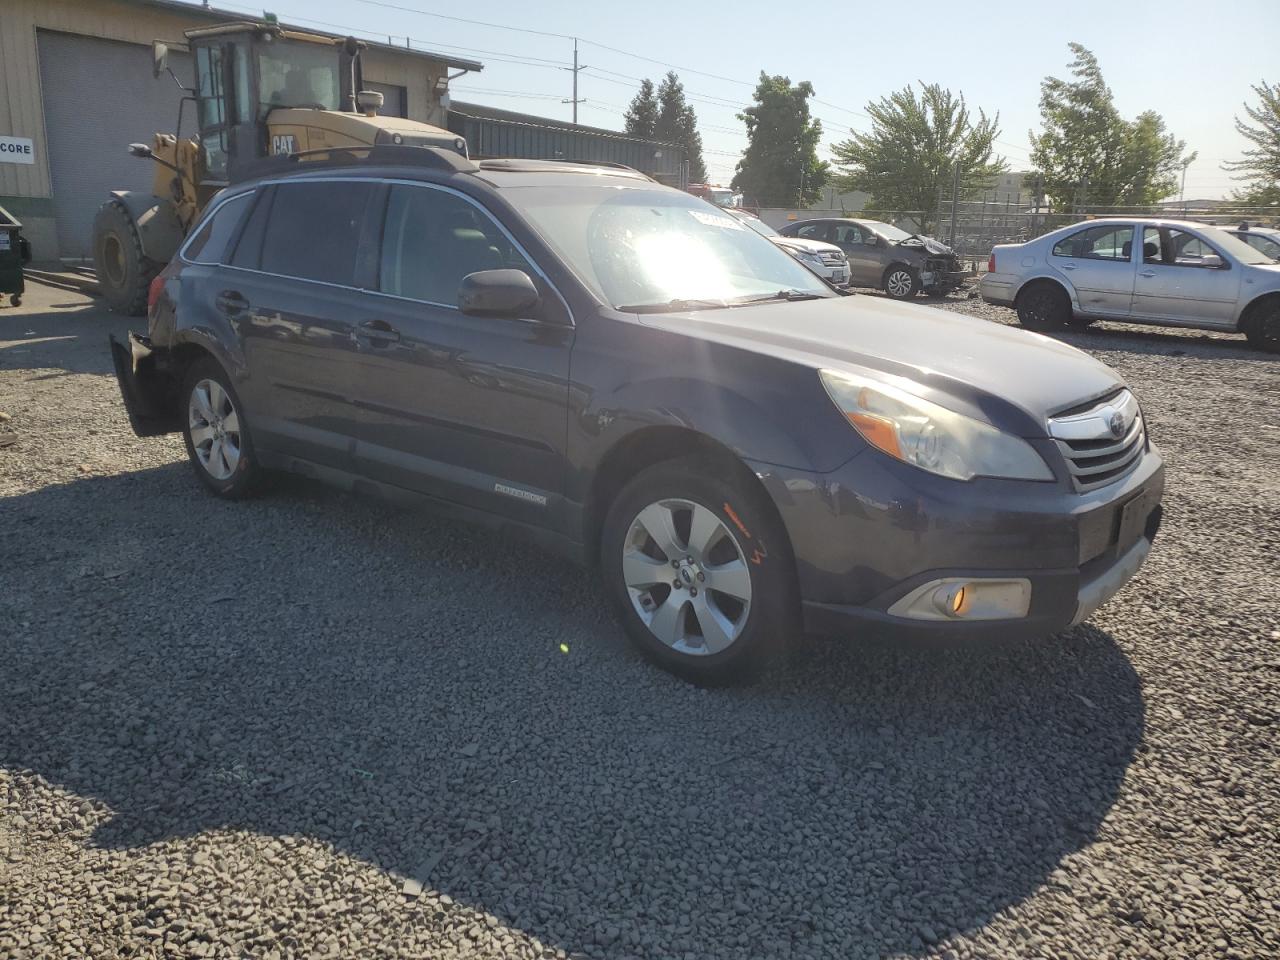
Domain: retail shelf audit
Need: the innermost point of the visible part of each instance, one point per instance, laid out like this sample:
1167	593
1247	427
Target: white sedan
1167	272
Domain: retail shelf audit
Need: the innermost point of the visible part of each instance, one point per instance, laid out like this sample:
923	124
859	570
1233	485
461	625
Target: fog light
966	598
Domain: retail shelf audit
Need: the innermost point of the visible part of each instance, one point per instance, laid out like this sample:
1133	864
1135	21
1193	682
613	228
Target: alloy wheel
215	429
899	283
687	577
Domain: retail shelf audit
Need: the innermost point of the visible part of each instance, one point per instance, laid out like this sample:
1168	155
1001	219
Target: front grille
1102	441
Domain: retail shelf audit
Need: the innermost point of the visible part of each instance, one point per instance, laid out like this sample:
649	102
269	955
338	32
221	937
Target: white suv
825	259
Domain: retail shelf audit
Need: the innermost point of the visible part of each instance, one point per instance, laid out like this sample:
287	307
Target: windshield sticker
716	220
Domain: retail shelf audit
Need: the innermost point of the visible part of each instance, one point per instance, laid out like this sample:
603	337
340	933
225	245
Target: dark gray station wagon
640	381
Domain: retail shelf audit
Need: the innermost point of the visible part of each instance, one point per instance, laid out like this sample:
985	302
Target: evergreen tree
642	116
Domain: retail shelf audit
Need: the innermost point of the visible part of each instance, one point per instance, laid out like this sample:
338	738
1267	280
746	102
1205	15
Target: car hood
807	246
1011	378
930	246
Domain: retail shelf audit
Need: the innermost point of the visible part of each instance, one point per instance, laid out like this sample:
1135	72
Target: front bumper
875	530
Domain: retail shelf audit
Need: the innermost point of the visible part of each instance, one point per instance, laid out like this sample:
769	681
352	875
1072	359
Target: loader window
211	85
299	75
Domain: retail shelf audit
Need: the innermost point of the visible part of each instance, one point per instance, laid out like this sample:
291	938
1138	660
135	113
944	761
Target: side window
1262	244
313	231
848	234
432	239
1107	242
1151	245
1179	248
209	243
814	231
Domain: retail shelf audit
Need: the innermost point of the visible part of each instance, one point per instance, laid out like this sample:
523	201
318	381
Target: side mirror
872	240
159	57
1212	261
140	150
497	293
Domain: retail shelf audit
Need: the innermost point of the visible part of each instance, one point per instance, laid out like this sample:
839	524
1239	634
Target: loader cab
245	71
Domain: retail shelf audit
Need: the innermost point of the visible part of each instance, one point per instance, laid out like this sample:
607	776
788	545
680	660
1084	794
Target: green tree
1261	163
677	123
907	160
780	166
1088	153
642	116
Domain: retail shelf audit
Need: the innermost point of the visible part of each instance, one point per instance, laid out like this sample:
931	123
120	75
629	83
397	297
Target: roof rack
384	154
529	165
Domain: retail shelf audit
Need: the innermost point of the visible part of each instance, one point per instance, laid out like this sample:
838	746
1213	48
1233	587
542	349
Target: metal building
491	132
76	88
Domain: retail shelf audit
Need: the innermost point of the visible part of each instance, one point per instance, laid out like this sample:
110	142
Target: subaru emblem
1116	423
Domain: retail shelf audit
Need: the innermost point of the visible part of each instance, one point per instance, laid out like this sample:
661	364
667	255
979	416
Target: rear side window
210	242
1107	242
313	230
432	239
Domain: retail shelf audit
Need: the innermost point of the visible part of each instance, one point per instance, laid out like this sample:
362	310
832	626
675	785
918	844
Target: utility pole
955	204
575	68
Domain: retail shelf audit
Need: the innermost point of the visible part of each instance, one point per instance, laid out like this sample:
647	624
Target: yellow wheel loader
260	91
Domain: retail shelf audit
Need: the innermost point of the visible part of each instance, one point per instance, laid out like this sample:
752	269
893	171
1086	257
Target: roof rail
384	154
530	165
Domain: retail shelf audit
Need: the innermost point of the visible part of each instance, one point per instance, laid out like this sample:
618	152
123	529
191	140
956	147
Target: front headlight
810	258
925	435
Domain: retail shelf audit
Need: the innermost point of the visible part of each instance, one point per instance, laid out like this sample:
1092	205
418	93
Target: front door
292	285
1184	279
463	408
858	244
1098	262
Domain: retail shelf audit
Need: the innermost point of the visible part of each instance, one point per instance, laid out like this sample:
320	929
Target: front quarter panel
627	376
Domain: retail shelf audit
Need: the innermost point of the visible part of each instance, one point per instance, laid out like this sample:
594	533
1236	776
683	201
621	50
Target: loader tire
124	272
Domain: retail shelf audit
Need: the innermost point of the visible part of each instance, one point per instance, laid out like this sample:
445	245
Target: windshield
298	75
758	225
651	247
1236	247
890	232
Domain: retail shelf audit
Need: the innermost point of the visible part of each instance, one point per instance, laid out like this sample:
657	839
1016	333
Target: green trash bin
14	252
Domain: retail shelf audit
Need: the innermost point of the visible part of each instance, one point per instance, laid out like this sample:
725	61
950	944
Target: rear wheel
699	570
124	273
1262	326
216	434
1044	306
900	283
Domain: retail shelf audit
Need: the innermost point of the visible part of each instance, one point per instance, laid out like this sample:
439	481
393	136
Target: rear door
1175	282
1099	263
292	291
467	409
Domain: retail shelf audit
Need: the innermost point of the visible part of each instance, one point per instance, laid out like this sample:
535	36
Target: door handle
378	333
1068	266
1146	273
231	302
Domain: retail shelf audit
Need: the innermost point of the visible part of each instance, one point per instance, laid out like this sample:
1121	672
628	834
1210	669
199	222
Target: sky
1193	62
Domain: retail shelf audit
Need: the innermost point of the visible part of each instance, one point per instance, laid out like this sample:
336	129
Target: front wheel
699	570
900	283
124	272
1262	326
216	433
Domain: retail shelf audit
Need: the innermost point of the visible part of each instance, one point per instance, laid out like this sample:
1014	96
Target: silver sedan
1167	272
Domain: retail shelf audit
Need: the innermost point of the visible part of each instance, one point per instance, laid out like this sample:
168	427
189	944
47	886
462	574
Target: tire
900	282
124	274
1081	323
1044	306
16	300
216	432
1261	326
701	633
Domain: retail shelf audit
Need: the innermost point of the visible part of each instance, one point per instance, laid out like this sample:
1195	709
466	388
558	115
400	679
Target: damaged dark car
887	258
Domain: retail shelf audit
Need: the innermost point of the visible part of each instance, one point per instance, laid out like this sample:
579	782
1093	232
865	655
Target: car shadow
68	336
446	703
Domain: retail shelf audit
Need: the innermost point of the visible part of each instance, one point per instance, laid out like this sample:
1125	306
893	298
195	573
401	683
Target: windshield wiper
789	295
673	306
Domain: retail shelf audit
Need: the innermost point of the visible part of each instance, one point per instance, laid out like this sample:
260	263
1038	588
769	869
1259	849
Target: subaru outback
636	379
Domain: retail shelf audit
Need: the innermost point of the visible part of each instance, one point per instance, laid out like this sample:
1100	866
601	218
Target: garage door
99	96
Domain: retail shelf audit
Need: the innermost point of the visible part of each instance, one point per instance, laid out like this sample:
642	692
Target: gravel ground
311	726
